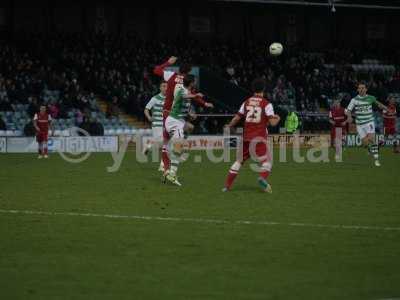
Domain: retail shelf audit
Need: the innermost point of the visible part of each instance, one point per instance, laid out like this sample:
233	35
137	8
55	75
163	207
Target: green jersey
156	105
181	105
363	108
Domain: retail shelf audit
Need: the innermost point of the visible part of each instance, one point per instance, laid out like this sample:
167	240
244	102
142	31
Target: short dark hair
188	79
185	68
362	83
258	85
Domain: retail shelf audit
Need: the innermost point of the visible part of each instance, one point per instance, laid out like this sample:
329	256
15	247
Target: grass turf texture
76	257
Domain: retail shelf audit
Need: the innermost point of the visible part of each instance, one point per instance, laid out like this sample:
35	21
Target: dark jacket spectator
2	125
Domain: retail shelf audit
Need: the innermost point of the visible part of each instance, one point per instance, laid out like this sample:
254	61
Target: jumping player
257	113
175	122
42	122
173	80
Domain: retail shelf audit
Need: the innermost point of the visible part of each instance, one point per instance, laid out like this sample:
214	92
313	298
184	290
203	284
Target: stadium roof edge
322	4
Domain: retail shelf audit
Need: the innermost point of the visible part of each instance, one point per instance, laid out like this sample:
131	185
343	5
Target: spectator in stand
112	108
53	110
97	65
2	125
79	118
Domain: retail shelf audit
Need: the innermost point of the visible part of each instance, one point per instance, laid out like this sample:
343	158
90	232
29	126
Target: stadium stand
74	74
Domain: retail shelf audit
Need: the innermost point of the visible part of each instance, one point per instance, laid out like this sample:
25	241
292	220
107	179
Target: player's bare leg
147	148
164	152
40	150
373	148
177	150
188	129
45	150
264	174
232	173
338	142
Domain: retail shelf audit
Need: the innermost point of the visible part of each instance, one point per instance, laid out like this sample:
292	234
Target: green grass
77	257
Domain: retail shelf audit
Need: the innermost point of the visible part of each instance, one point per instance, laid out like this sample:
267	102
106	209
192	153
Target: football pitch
75	231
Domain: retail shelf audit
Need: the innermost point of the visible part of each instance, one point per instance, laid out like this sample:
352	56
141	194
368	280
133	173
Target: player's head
336	102
258	85
42	108
185	68
189	81
163	87
391	100
362	88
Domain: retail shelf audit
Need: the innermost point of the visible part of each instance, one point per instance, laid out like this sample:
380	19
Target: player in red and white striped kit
42	122
258	113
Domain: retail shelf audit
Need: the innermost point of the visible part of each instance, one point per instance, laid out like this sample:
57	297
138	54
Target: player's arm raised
198	98
159	70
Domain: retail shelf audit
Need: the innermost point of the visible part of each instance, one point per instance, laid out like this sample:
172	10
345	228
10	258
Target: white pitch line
199	220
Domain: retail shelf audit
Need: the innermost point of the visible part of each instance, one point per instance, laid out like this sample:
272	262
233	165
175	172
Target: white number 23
253	114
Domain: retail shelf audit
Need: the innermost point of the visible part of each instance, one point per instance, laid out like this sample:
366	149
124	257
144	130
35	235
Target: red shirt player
257	113
338	120
173	79
389	118
389	123
42	122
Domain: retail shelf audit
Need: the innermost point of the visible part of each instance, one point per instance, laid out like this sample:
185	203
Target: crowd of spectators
67	72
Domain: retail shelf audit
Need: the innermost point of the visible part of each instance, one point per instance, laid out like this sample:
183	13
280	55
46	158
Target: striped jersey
181	105
363	109
156	105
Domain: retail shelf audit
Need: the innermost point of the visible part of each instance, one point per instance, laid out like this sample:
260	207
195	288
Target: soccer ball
275	49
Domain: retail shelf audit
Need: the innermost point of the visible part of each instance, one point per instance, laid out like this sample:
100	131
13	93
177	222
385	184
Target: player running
42	122
338	121
175	122
155	105
258	113
389	123
173	80
362	104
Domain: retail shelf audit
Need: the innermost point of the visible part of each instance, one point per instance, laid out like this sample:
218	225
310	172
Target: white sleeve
151	103
269	110
351	105
49	117
35	117
168	75
241	109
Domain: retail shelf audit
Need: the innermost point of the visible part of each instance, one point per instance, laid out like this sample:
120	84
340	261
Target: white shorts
157	134
365	129
174	127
